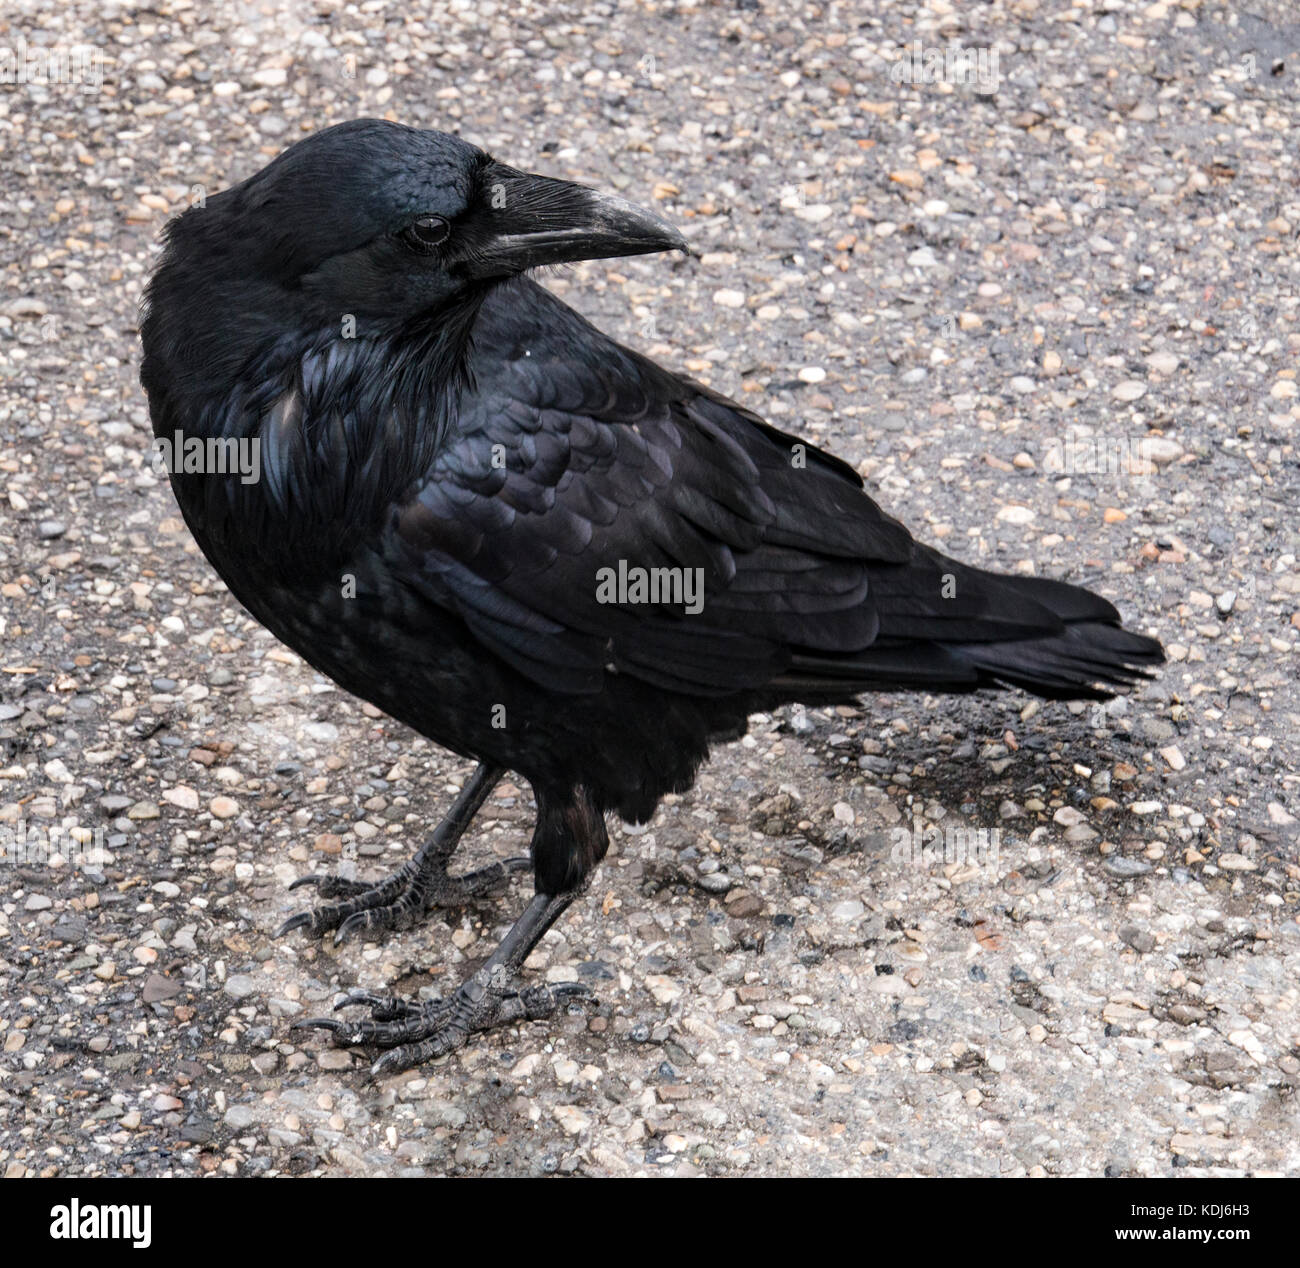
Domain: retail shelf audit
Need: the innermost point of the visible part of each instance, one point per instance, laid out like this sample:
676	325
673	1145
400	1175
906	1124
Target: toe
299	921
405	1057
382	1007
353	924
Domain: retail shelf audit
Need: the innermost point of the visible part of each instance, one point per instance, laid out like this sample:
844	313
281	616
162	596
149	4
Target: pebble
1138	939
664	989
182	796
1014	514
1160	450
742	904
572	1119
26	306
158	988
1127	867
1237	863
240	1117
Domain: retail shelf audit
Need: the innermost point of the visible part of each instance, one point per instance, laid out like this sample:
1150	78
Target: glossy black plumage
441	488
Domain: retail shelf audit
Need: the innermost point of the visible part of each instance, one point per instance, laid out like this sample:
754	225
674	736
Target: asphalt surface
1051	316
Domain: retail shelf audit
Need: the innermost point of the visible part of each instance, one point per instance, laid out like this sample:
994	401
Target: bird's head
389	222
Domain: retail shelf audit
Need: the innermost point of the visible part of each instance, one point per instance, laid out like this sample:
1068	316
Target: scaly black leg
407	896
415	1033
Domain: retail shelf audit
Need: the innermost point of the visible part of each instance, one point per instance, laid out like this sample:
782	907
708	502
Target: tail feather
1073	648
1078	664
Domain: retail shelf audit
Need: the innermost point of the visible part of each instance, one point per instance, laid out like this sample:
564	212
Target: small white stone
1237	863
815	213
1159	449
664	989
1016	514
572	1119
185	798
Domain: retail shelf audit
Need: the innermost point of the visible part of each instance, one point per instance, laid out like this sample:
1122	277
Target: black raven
527	542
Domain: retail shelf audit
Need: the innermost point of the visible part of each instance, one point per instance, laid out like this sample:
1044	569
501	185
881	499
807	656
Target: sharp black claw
355	921
294	922
390	1063
317	878
320	1023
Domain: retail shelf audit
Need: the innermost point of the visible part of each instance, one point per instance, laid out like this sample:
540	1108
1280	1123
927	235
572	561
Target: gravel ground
949	285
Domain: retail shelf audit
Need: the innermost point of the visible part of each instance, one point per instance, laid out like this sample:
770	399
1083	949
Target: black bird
462	485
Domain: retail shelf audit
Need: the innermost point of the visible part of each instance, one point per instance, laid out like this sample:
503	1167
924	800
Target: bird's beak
525	221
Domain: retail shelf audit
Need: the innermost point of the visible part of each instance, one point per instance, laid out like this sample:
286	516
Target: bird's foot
415	1033
400	902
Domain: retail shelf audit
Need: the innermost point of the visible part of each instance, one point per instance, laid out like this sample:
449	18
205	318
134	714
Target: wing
575	461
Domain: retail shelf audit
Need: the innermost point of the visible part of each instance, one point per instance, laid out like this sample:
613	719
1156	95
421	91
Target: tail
1047	637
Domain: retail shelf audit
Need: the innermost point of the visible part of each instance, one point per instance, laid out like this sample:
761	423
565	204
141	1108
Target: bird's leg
405	897
568	842
492	996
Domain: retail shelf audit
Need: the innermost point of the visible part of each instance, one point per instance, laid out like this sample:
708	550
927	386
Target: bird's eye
425	233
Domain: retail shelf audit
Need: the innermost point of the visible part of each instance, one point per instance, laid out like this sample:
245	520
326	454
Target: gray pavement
1052	317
